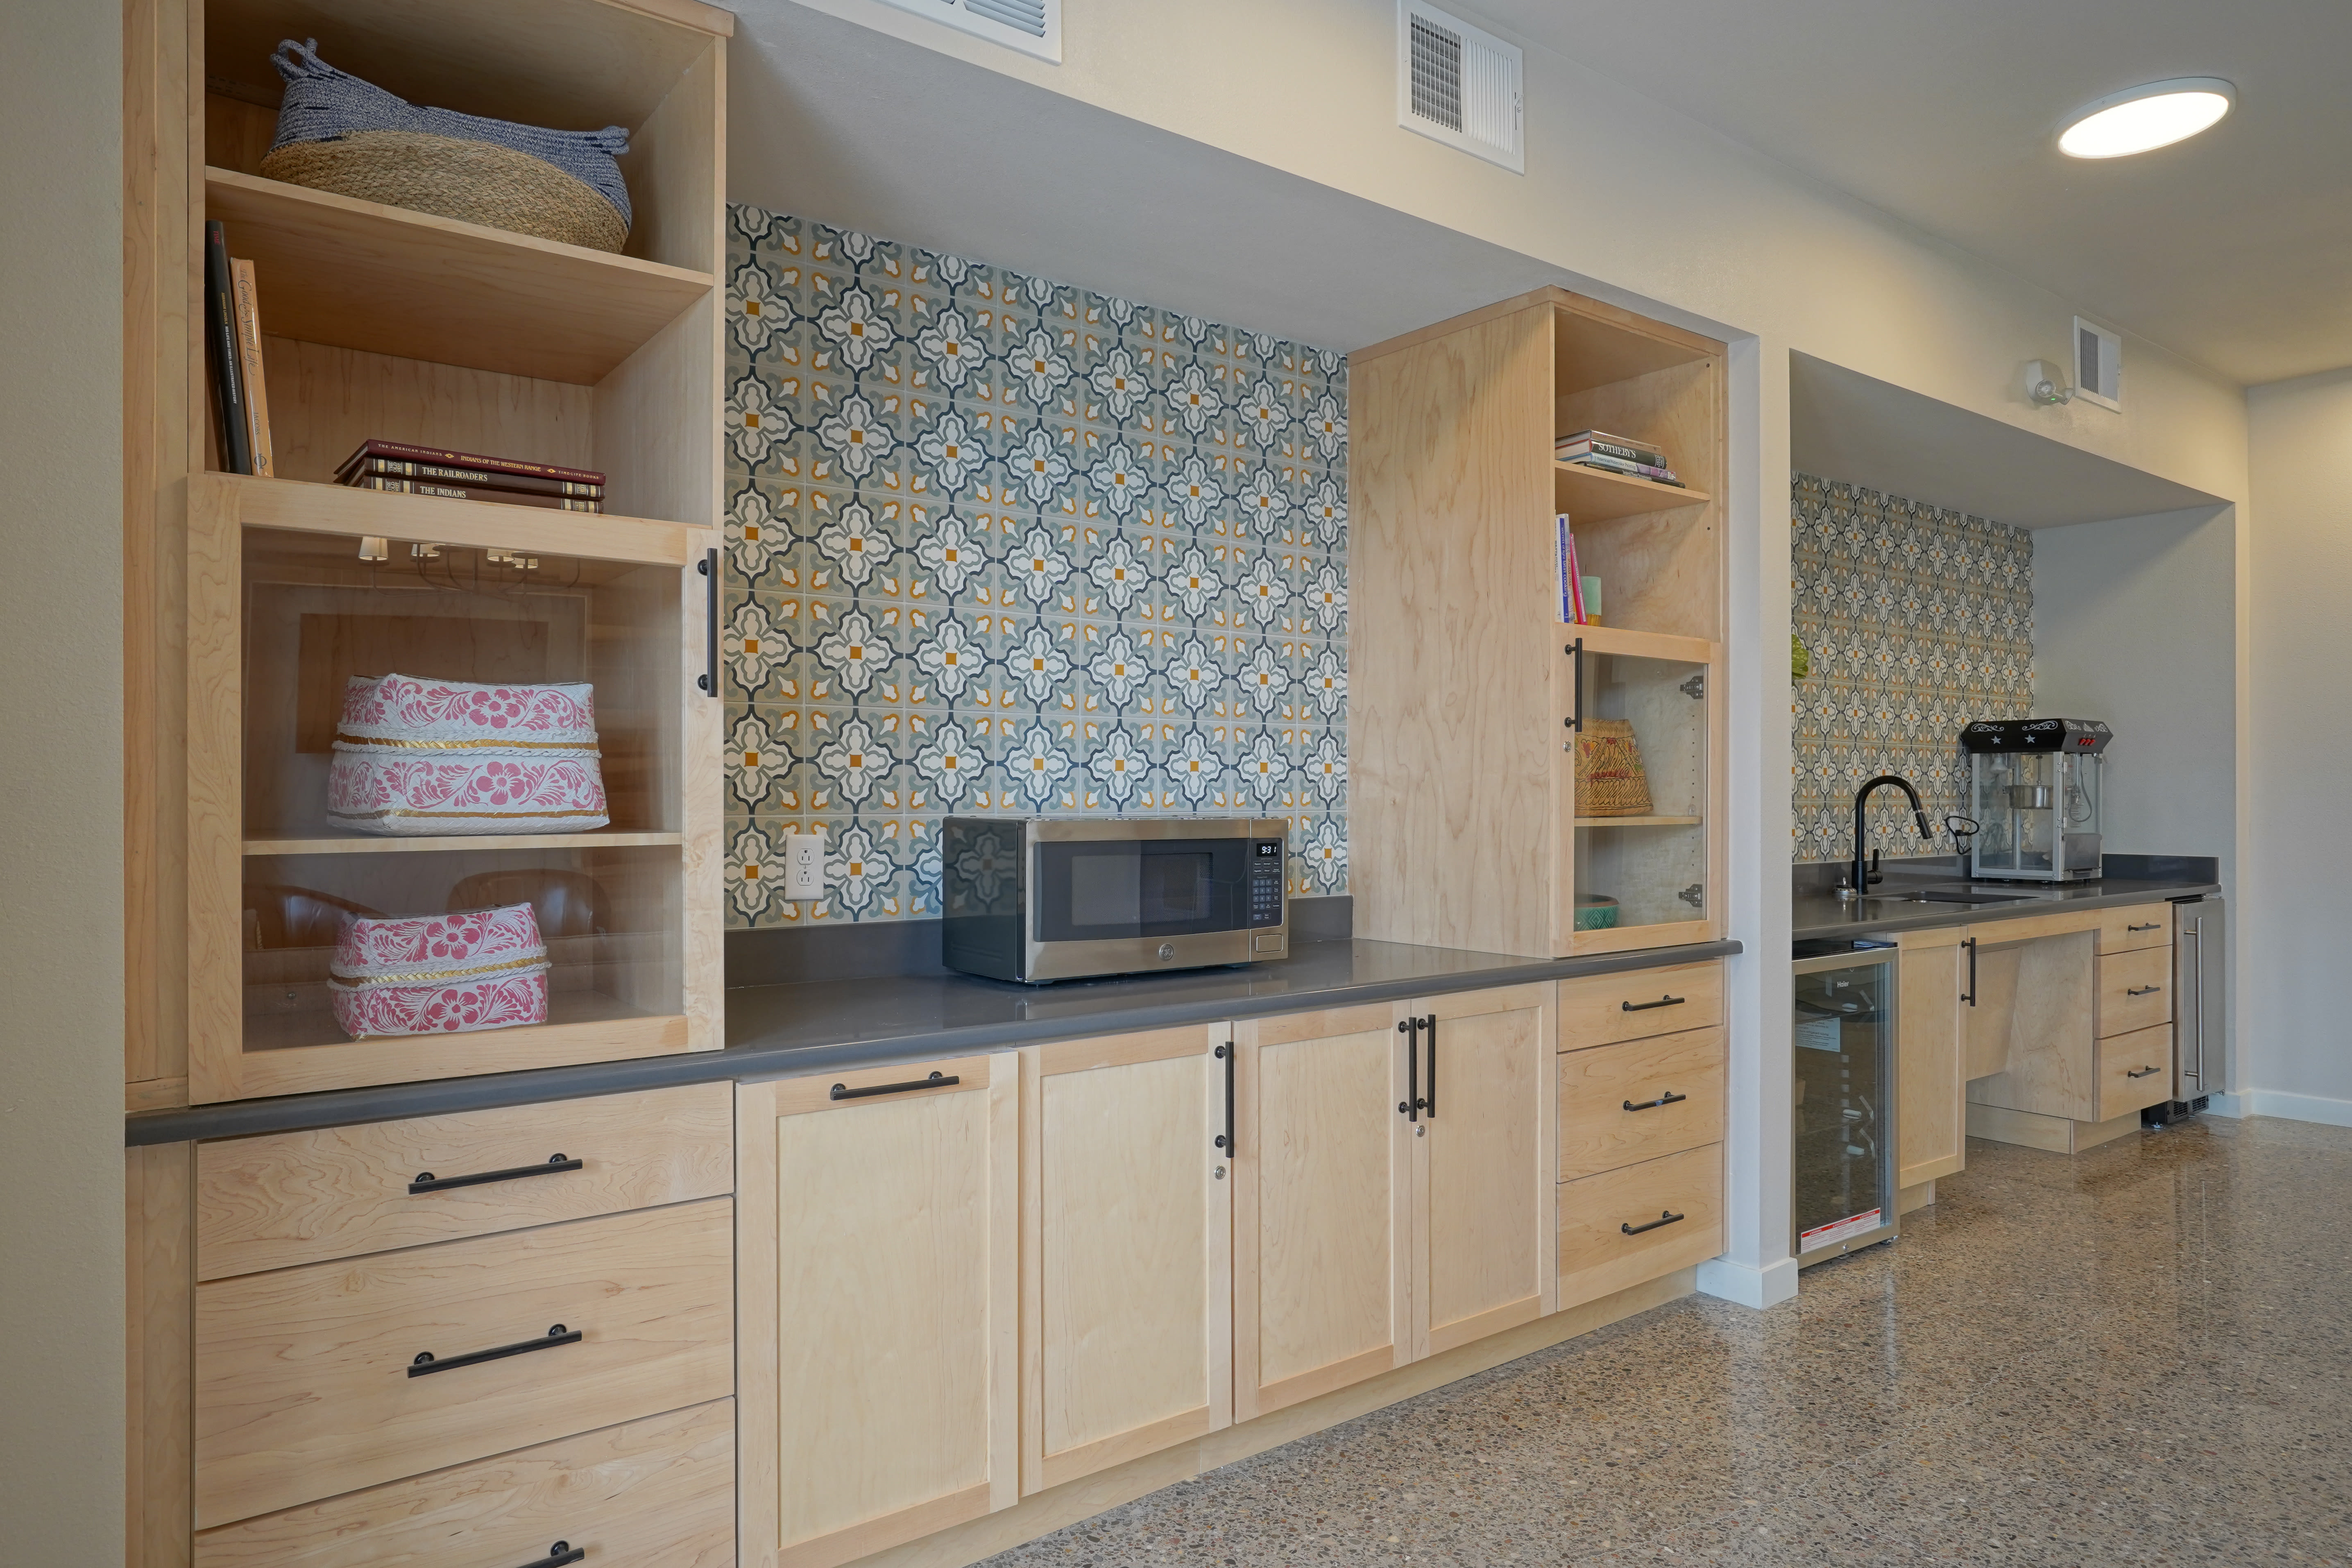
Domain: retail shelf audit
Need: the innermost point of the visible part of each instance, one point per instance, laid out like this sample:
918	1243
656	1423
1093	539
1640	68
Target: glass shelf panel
609	917
317	614
1641	843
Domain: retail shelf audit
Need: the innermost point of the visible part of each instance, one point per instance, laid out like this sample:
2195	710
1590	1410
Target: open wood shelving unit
1464	677
385	323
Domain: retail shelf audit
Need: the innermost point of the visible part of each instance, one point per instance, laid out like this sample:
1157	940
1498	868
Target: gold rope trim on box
361	741
437	816
362	982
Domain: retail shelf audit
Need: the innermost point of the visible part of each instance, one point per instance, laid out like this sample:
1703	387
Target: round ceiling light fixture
2146	117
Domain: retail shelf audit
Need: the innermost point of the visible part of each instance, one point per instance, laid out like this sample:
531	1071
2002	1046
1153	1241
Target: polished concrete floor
2138	1355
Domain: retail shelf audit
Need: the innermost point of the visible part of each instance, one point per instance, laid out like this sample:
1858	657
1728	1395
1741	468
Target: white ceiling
2233	247
1846	425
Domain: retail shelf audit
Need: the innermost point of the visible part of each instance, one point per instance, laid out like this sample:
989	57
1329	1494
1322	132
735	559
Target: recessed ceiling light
2146	117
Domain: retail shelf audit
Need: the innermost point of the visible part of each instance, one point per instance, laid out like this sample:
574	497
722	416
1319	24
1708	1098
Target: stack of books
468	476
1616	455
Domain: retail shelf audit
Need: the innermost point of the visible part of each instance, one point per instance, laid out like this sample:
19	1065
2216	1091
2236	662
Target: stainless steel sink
1947	896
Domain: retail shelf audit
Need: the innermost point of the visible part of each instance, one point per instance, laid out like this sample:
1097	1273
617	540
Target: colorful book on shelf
479	479
475	492
407	453
247	301
1608	464
1572	577
221	351
1609	446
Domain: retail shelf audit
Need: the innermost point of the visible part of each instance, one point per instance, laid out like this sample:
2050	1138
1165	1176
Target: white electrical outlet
803	865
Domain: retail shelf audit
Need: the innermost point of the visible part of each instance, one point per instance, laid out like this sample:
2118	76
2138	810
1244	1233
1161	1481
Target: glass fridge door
1843	1103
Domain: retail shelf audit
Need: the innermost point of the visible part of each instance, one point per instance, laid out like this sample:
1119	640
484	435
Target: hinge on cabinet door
1695	895
1696	687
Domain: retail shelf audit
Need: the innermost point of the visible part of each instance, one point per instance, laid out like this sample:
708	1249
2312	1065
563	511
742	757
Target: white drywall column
61	1163
2296	1041
1756	1268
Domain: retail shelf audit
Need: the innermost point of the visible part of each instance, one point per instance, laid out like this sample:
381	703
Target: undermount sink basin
1947	896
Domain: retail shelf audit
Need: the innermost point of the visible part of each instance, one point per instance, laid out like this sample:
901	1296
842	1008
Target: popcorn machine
2033	792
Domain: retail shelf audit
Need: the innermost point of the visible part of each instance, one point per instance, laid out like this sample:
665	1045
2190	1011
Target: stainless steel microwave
1034	898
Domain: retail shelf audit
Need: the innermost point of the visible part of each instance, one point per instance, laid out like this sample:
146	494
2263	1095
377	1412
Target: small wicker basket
336	133
1609	781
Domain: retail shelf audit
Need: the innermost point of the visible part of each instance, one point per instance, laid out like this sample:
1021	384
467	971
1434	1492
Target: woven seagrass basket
1609	781
474	182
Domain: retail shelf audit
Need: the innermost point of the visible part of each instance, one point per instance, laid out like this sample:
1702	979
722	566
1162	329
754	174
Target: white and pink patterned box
435	974
417	757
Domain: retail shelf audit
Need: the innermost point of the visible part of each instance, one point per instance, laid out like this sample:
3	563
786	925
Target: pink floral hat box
435	974
417	757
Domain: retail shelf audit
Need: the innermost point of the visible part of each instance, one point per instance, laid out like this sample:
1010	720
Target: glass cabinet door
1640	789
1843	1102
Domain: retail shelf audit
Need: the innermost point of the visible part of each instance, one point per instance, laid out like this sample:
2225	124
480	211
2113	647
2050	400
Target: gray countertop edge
754	1061
1850	924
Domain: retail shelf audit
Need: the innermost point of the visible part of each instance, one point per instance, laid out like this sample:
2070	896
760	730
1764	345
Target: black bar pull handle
1429	1104
1669	1098
427	1181
1969	996
1575	720
1409	1107
2142	990
1228	1142
557	1334
2152	925
708	681
1666	1217
1647	1006
561	1552
937	1081
2142	1072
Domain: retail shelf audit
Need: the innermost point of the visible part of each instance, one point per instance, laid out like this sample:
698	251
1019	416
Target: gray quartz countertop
775	1030
1819	913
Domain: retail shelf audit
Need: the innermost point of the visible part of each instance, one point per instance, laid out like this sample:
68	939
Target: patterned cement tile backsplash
1916	621
999	544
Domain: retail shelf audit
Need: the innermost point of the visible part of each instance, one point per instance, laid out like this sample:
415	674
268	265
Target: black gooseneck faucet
1861	802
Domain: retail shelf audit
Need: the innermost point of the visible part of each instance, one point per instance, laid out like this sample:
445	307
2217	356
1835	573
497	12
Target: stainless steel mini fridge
1844	1098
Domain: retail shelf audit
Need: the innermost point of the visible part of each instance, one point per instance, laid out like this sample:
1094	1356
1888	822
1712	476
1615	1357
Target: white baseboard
2276	1102
1750	1286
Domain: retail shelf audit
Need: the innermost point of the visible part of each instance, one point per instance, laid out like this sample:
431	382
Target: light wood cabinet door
1126	1250
1322	1195
878	1294
654	1493
1486	1151
287	1198
315	1381
1640	1099
1600	1009
2135	1070
1931	1110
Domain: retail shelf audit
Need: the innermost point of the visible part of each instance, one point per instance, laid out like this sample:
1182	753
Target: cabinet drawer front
2135	1070
656	1493
2135	990
290	1198
1610	1113
1601	1009
2143	925
308	1382
1596	1254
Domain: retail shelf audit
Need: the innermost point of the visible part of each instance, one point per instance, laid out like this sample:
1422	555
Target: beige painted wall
1719	236
61	1327
2295	1043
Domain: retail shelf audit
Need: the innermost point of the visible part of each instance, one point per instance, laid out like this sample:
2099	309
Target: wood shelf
1627	643
1596	495
475	524
387	281
458	842
1638	821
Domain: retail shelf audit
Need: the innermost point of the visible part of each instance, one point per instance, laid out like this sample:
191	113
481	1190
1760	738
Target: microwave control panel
1265	882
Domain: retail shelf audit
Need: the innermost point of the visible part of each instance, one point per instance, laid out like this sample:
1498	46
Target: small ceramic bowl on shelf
1595	912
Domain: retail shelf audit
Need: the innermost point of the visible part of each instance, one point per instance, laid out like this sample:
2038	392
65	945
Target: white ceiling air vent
1460	85
1033	26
